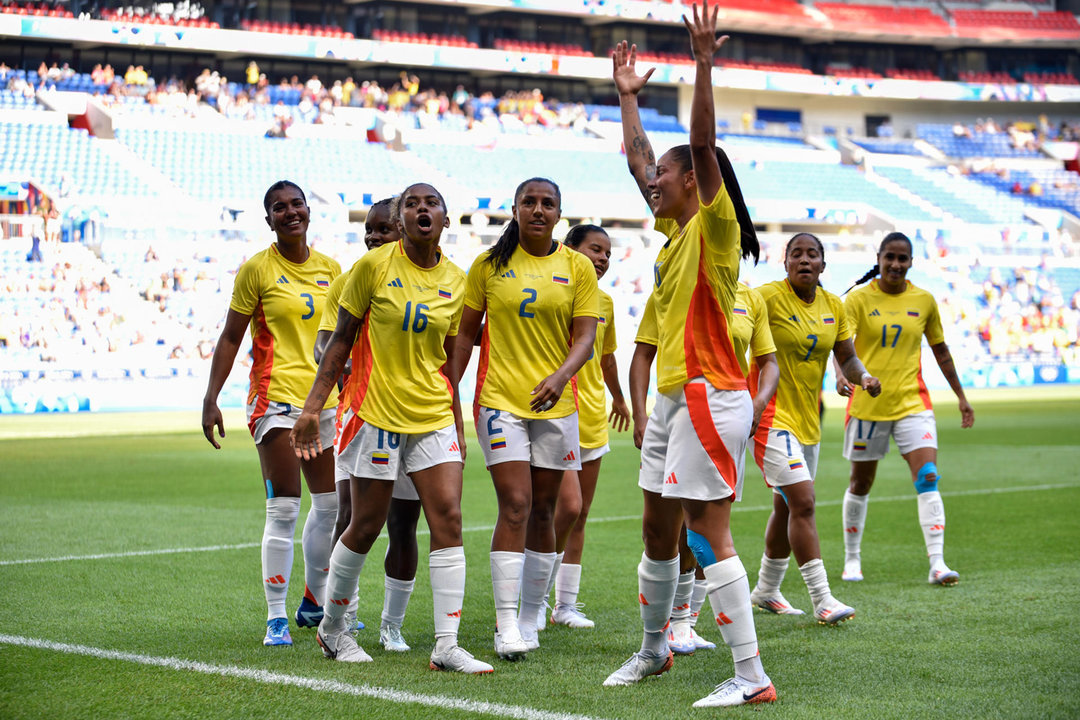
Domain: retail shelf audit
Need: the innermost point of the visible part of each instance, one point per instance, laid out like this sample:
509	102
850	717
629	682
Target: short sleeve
851	310
718	222
609	335
648	333
934	333
246	288
843	332
761	339
476	282
586	291
358	289
333	299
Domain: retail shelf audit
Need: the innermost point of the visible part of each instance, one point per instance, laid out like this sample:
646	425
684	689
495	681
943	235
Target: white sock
657	580
535	575
277	552
854	521
817	581
771	574
447	570
505	584
345	567
568	584
396	599
317	543
697	599
554	576
684	589
729	594
932	520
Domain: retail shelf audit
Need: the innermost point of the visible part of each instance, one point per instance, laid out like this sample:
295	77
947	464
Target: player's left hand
461	441
620	415
304	436
843	387
702	29
871	385
759	410
547	393
967	414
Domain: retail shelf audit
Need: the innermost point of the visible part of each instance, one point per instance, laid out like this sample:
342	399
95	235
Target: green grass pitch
178	635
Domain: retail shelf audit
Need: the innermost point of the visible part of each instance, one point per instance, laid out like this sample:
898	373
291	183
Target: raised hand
624	72
702	28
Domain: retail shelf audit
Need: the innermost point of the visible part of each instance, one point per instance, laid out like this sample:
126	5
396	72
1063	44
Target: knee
542	515
659	544
514	511
401	525
926	479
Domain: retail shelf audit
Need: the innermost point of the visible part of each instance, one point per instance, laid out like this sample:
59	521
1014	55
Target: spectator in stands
252	73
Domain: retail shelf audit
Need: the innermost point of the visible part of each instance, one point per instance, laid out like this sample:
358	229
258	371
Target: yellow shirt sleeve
761	340
333	302
846	328
356	295
648	332
934	333
608	312
586	290
476	282
246	295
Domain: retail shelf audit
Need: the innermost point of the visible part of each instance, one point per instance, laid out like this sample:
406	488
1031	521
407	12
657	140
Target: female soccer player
807	323
693	445
889	318
277	292
401	553
401	307
578	488
541	304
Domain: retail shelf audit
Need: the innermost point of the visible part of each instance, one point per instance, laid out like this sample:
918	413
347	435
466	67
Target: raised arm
948	369
639	152
704	44
220	367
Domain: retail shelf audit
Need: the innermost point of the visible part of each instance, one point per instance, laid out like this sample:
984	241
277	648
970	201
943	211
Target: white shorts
695	443
376	454
784	460
869	440
266	415
548	443
590	454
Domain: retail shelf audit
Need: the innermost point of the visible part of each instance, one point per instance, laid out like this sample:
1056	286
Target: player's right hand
639	430
624	60
211	417
304	437
843	387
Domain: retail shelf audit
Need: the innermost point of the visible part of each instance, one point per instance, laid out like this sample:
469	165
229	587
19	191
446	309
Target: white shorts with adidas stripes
869	439
377	454
548	443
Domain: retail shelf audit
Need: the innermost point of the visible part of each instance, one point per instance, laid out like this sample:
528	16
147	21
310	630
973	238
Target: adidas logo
928	436
455	614
937	528
509	274
396	283
339	601
569	456
851	529
722	619
875	313
283	280
276	580
670	480
641	599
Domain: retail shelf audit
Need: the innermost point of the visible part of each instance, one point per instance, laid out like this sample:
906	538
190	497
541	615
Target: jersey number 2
530	298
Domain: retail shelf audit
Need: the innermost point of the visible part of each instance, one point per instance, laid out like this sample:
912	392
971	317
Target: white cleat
571	616
852	570
639	667
738	692
391	639
340	646
531	638
456	659
941	575
701	643
833	612
774	603
510	645
680	638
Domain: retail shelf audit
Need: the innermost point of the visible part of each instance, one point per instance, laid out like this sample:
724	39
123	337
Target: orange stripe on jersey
573	387
262	351
348	431
697	404
481	369
924	394
707	340
361	369
761	437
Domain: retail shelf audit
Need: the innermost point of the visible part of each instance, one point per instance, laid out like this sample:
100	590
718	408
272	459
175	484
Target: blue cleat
308	614
277	632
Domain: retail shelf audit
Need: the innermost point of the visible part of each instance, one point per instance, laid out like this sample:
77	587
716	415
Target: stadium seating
911	74
1056	188
292	28
900	19
17	101
973	144
42	9
1050	78
422	38
957	195
763	65
846	71
525	46
155	19
984	23
889	146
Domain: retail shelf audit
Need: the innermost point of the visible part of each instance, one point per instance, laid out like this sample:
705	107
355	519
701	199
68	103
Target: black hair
280	185
395	202
748	239
874	271
812	236
578	233
504	247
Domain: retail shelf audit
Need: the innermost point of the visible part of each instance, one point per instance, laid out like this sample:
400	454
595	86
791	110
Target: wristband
864	376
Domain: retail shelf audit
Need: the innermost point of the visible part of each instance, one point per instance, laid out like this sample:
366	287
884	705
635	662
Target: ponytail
871	273
504	247
748	239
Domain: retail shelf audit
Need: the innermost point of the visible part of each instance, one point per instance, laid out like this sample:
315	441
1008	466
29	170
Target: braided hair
876	270
504	247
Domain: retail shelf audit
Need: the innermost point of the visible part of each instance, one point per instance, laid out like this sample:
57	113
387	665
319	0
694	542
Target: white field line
489	528
274	678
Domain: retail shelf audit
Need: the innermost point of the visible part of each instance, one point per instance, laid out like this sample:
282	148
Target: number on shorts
870	434
787	438
529	300
310	302
392	439
492	430
813	344
420	320
885	335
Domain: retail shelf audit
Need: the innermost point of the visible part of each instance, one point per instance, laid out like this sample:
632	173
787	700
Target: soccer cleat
738	692
340	646
391	639
277	632
679	638
833	612
701	643
458	660
510	645
531	638
570	616
352	625
942	575
774	603
639	667
852	570
308	614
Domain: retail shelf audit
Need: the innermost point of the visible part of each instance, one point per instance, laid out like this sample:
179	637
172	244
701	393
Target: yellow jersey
284	300
589	382
531	303
333	302
888	339
805	334
750	327
694	281
398	382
